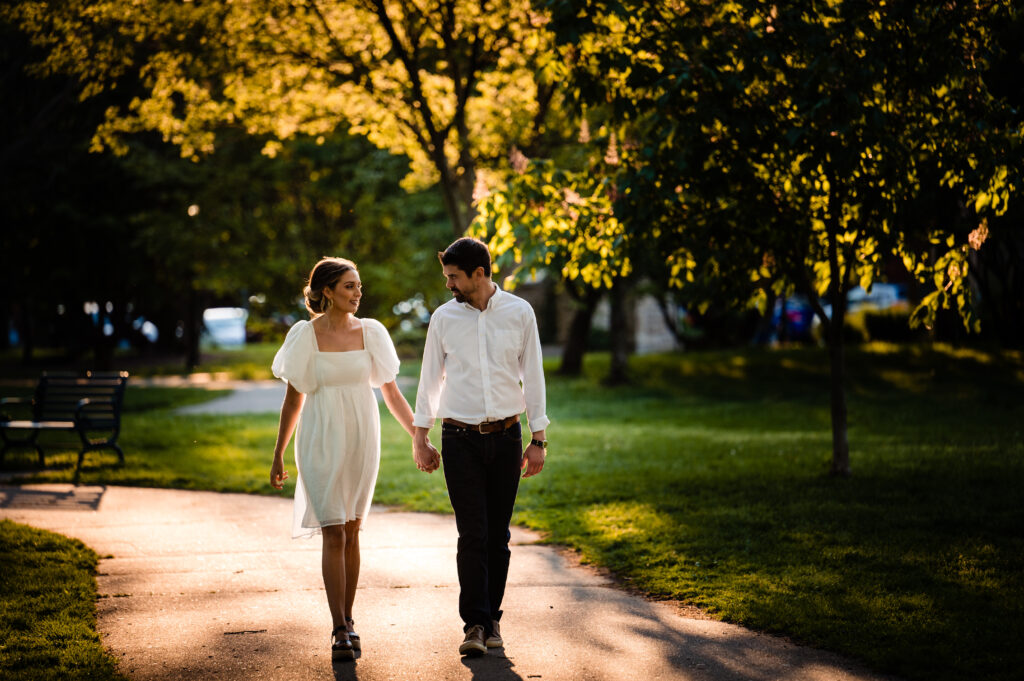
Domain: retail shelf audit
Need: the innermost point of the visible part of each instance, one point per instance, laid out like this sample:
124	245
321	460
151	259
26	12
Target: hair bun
325	274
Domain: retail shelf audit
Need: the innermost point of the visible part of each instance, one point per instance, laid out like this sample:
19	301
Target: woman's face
347	292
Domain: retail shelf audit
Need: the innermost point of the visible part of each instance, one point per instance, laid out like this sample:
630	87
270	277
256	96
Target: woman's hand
278	474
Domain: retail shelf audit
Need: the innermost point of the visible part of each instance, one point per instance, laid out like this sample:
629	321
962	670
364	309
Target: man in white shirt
480	347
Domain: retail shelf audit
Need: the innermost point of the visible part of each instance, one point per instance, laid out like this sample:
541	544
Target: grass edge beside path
48	608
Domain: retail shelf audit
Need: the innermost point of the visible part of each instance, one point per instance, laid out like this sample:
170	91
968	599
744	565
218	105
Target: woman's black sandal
353	636
341	646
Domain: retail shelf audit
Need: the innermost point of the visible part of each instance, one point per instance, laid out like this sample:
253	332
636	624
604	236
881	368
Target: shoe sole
495	644
472	649
338	655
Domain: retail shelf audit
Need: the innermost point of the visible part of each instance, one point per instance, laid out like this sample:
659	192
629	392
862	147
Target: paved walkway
245	397
202	585
255	397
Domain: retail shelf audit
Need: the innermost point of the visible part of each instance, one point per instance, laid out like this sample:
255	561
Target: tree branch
419	99
360	68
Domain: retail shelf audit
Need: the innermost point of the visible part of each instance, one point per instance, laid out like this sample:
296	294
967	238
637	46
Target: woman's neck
338	320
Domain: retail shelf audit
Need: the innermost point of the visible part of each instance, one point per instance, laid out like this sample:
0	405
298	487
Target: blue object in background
225	326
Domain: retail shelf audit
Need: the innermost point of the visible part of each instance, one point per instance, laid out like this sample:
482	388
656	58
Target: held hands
533	460
425	455
278	474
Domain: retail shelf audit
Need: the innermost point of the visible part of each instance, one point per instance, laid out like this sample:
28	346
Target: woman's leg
333	567
351	564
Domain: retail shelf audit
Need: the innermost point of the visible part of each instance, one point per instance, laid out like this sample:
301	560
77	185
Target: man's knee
473	541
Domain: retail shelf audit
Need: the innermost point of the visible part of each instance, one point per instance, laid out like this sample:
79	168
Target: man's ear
479	271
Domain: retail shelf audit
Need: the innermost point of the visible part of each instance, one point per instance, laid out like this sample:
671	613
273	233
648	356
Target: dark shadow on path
493	666
346	670
77	499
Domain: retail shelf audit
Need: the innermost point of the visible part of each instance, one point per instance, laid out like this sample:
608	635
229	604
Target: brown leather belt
486	427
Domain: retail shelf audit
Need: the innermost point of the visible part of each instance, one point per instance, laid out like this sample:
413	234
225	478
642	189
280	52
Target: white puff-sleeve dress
337	440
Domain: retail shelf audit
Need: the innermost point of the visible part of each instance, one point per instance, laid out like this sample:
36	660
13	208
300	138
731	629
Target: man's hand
424	454
533	460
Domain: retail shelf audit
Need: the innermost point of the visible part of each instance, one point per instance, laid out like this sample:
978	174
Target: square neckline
316	344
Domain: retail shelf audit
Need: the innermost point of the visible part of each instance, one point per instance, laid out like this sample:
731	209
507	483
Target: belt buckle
480	427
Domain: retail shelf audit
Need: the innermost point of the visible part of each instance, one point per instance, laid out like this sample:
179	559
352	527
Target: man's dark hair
467	254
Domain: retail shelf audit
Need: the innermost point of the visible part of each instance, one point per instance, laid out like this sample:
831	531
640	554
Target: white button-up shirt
474	361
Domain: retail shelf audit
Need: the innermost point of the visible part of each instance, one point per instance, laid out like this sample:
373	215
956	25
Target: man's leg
462	456
502	485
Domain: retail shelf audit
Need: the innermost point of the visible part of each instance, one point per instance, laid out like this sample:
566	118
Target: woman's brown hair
325	274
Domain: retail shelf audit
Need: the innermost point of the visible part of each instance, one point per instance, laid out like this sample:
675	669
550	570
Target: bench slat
36	425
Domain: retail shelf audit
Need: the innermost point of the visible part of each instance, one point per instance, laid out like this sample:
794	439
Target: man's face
459	283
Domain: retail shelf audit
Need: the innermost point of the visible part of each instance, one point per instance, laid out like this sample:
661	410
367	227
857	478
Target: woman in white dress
331	364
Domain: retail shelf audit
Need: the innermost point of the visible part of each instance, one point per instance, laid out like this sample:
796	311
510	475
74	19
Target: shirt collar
493	300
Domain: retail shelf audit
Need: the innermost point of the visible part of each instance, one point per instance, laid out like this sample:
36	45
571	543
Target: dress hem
310	532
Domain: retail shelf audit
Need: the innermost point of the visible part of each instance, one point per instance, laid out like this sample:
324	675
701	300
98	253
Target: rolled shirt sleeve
531	367
428	394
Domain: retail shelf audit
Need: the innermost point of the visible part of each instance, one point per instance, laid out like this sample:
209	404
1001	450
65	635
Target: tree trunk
193	328
457	194
837	365
670	319
451	207
622	330
838	288
579	330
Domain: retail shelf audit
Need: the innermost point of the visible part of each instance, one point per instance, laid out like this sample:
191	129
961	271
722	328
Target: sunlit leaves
562	218
807	130
449	87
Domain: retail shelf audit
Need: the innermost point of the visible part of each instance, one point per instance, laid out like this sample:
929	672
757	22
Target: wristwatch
543	444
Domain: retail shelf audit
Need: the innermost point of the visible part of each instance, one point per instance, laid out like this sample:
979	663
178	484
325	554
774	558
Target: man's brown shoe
494	640
474	643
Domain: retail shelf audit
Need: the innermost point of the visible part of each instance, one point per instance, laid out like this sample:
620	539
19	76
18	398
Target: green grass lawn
48	608
706	481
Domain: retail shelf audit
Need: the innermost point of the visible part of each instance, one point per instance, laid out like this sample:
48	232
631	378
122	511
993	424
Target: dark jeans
482	474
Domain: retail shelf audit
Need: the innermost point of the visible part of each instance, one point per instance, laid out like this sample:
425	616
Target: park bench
88	404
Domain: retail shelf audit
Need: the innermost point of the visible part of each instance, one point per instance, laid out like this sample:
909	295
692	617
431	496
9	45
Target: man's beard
459	298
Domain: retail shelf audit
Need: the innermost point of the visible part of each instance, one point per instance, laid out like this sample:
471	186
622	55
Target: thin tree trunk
452	206
579	331
621	334
670	320
837	365
193	327
836	352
